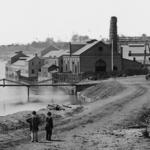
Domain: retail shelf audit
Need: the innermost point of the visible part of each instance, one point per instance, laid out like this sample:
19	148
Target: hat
34	112
49	113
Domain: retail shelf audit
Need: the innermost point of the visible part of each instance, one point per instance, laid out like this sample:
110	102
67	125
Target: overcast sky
22	21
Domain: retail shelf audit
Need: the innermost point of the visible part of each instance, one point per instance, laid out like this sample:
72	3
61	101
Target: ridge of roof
86	47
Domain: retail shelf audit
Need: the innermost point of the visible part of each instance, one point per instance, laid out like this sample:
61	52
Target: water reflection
14	99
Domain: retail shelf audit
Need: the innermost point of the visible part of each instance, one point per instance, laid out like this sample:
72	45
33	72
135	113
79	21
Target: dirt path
101	124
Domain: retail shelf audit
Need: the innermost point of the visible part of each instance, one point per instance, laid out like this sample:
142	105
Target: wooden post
112	61
3	82
144	56
76	90
28	92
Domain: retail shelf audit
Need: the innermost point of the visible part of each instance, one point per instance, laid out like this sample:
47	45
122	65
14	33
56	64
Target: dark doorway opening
100	66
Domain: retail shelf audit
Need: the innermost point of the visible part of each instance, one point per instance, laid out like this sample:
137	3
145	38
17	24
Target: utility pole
112	61
144	55
70	67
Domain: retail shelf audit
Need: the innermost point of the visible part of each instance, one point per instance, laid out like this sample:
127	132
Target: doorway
100	66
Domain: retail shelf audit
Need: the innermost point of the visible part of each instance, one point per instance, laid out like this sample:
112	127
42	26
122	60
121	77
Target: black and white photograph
74	75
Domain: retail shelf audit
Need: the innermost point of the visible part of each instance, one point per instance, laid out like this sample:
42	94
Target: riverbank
112	121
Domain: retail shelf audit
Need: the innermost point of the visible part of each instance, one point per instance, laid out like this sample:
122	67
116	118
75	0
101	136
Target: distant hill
34	47
37	46
6	51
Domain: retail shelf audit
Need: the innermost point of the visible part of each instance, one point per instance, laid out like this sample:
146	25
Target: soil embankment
106	121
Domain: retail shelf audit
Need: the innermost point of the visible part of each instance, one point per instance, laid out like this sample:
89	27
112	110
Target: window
75	68
32	63
39	70
100	48
32	71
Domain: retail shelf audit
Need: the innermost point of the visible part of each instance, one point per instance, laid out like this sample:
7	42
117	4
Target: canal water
14	99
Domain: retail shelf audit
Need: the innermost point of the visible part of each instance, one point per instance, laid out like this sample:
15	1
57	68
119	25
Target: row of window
33	71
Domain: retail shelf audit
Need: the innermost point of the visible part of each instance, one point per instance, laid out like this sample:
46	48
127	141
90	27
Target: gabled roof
17	53
30	57
48	49
86	47
76	46
19	63
51	47
57	53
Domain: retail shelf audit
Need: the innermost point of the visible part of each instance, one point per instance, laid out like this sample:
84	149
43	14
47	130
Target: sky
24	21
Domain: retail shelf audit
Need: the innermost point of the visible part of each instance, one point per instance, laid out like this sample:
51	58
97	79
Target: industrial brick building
95	56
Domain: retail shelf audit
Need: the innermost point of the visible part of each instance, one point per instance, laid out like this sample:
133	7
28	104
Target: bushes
131	72
105	75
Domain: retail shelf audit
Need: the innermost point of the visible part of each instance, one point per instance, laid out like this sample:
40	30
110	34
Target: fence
66	77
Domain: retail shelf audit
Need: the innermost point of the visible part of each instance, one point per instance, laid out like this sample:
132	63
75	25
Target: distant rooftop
85	48
56	53
19	63
48	49
30	57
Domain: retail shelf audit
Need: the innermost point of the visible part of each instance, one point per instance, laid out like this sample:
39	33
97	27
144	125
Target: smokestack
113	33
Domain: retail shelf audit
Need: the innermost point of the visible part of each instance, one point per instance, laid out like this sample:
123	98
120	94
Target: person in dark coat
34	126
49	126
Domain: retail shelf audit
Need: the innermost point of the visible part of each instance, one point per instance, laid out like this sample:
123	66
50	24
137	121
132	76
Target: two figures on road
34	122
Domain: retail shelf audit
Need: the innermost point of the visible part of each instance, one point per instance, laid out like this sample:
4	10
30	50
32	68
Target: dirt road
100	125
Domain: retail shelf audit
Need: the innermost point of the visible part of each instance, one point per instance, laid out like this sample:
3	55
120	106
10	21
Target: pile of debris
57	107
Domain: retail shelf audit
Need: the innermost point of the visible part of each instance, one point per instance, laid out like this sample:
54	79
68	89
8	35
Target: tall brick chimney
113	33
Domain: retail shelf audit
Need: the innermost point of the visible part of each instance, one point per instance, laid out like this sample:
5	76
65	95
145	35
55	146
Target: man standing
49	126
34	124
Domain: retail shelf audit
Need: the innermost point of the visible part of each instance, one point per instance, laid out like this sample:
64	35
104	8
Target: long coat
34	123
49	124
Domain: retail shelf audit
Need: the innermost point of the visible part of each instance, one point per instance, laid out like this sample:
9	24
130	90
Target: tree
79	38
49	40
144	35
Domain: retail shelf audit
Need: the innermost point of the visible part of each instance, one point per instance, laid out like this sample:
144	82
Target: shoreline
83	98
109	120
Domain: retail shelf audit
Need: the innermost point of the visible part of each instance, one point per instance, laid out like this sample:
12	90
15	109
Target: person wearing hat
49	126
34	125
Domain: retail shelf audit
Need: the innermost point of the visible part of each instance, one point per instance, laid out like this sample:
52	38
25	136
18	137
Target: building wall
102	52
24	71
128	64
126	49
34	66
71	64
86	62
11	72
48	62
44	72
51	61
